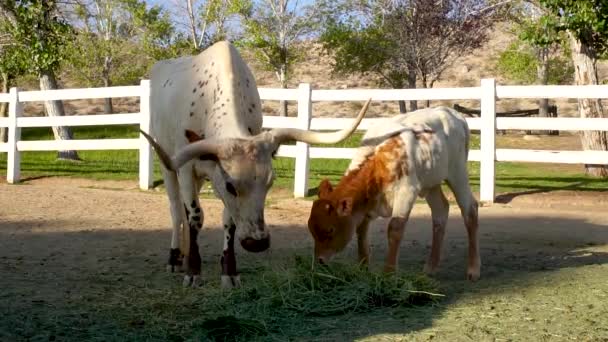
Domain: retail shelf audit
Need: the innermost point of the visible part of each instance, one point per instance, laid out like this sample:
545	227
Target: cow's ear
325	188
192	136
345	206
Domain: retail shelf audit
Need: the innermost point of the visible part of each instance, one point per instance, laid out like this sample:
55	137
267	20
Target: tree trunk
4	107
108	107
55	108
107	64
402	107
585	73
411	82
283	80
542	77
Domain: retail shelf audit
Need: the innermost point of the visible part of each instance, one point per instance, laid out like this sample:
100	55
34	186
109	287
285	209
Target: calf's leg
363	242
402	206
459	183
439	211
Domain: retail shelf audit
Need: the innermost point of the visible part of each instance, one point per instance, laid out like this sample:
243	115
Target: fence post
13	163
146	160
300	186
487	172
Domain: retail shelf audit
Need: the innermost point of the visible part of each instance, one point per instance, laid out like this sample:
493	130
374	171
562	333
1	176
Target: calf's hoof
230	281
193	281
429	270
473	274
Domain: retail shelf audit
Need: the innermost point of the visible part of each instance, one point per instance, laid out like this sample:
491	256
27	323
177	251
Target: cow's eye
230	188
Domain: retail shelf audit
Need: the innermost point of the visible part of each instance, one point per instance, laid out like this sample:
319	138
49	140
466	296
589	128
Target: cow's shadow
104	281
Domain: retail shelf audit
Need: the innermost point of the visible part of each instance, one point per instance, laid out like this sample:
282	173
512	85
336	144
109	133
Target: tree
41	35
403	41
11	66
272	29
109	48
586	24
207	22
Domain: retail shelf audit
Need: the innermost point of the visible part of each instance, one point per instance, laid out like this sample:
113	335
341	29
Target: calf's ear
345	206
325	188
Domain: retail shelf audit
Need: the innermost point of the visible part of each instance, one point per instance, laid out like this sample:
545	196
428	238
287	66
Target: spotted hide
400	159
207	125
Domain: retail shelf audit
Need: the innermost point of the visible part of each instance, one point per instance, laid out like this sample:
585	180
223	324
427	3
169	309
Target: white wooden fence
488	92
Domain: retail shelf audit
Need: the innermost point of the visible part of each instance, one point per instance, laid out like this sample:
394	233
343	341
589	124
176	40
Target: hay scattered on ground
293	294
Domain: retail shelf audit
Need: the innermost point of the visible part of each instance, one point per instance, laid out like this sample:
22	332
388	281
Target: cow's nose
255	245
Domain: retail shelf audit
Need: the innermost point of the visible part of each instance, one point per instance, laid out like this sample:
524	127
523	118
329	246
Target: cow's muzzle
256	245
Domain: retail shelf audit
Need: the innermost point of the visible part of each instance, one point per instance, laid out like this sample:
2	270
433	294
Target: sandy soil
57	223
63	242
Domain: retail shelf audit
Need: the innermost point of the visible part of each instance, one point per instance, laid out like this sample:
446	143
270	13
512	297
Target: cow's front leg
230	277
189	187
193	260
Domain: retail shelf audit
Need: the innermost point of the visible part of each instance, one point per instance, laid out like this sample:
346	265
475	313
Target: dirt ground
543	256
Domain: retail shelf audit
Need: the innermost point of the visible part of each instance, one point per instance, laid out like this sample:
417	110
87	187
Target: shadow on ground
109	284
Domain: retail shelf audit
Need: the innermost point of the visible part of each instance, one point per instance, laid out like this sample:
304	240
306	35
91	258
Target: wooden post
146	159
487	170
13	163
300	186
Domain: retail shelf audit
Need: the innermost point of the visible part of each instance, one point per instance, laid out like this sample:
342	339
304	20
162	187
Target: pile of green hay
279	297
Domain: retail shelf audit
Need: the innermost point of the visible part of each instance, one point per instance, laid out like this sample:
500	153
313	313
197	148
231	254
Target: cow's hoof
473	274
175	260
230	282
192	281
174	268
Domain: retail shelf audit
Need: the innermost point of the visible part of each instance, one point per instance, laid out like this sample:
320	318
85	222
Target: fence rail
488	92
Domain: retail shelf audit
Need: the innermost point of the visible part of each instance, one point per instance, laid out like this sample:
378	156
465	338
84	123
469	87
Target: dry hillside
315	68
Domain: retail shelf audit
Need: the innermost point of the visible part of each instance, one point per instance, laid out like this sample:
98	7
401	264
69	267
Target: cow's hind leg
439	211
230	277
176	255
459	183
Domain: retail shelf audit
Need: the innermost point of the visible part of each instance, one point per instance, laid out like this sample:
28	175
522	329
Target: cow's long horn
162	155
201	148
282	135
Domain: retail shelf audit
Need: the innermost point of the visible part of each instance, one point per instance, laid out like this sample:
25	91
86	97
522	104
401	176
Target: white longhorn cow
206	124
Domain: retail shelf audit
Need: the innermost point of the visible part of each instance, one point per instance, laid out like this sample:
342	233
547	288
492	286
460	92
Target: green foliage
39	33
121	42
358	49
215	13
587	20
271	35
519	63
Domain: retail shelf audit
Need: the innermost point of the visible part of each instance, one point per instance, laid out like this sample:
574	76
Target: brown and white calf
404	157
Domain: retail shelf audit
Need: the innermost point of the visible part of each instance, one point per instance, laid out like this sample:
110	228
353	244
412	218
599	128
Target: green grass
123	165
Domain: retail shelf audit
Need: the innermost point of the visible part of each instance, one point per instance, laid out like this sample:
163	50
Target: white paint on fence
487	93
79	120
